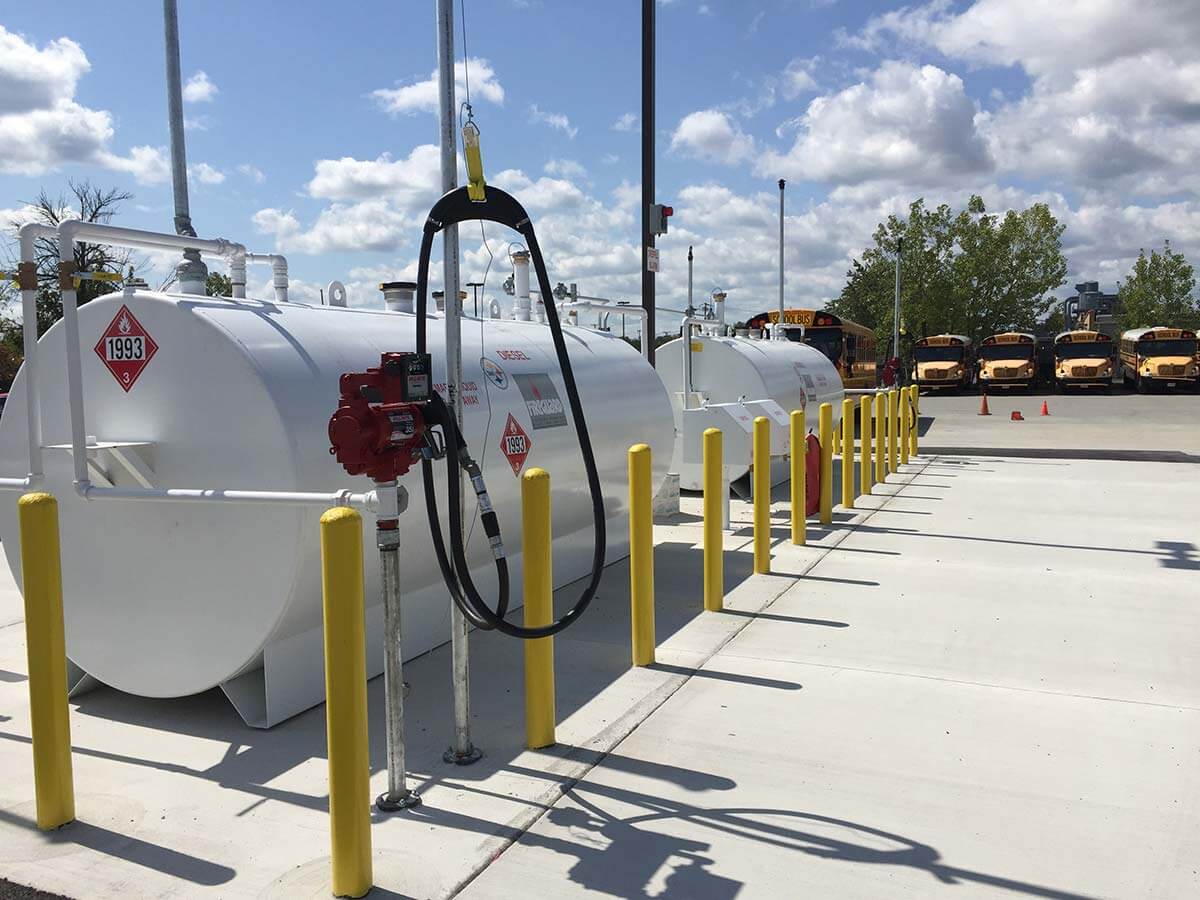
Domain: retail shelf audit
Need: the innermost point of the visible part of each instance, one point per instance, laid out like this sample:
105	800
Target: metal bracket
106	457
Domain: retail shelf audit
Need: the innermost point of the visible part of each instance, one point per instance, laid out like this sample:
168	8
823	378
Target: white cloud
422	96
904	122
798	77
557	121
254	173
33	79
565	168
199	89
206	174
411	183
544	194
196	123
42	128
626	122
712	135
369	225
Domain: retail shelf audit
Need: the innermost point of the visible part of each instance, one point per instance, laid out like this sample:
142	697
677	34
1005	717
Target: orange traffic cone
983	407
1016	416
1045	408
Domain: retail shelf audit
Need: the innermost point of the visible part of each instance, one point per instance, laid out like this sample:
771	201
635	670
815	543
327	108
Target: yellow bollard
825	436
916	420
762	495
864	469
346	701
714	540
641	556
539	608
905	423
880	433
45	646
798	440
893	429
847	453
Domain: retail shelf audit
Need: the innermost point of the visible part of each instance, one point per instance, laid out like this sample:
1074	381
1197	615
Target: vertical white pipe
33	402
463	750
66	254
521	304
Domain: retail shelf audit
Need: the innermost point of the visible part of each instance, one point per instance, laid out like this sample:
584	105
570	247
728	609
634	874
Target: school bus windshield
1006	351
828	341
938	354
1090	350
1179	347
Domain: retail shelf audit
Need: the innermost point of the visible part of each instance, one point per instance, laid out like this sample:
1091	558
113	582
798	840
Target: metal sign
651	259
545	407
126	348
515	444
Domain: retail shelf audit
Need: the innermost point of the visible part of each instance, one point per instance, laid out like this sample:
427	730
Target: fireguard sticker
541	400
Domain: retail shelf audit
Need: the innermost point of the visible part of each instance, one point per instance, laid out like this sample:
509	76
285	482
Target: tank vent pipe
398	295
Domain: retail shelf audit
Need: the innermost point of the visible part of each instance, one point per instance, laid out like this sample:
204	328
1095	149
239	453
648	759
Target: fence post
880	434
346	701
714	539
916	419
847	453
798	440
45	645
825	436
539	607
864	469
641	555
762	495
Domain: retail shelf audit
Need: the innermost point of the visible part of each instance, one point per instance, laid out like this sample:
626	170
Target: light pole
475	286
778	335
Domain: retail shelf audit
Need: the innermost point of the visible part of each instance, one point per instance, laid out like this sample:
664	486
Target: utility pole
191	273
463	751
896	312
779	325
648	329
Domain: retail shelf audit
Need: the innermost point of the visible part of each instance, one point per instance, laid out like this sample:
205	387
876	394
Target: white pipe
368	500
688	322
636	311
398	296
279	272
522	306
33	402
68	233
237	273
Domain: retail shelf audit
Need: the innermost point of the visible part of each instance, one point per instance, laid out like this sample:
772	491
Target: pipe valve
381	426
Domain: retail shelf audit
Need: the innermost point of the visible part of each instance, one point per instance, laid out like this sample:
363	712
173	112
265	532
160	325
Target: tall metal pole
191	273
896	312
779	325
691	308
463	751
648	326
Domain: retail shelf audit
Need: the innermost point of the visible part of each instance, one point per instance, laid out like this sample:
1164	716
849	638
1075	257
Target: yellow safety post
893	399
825	436
539	608
346	701
837	438
864	427
641	555
714	541
916	419
880	433
45	646
798	440
905	423
847	453
762	495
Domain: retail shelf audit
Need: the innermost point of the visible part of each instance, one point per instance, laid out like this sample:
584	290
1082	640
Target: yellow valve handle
475	182
98	276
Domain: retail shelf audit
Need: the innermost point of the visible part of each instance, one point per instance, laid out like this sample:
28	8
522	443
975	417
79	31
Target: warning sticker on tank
126	348
515	444
494	373
541	399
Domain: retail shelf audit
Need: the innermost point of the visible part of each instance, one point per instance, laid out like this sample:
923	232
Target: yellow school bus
1159	356
1083	358
849	346
944	361
1008	360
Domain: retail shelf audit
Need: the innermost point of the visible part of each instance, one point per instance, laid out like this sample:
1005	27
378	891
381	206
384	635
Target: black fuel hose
498	206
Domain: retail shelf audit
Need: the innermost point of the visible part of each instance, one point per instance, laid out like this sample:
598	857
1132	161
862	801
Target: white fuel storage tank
165	599
732	369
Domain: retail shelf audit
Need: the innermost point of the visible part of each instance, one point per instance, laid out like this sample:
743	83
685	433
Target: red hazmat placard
515	444
126	348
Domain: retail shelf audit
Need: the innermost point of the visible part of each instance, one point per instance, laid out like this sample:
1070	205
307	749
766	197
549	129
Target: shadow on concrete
626	857
751	680
776	617
1181	555
131	849
12	677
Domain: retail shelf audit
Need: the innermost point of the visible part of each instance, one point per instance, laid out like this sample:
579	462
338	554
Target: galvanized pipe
191	272
778	333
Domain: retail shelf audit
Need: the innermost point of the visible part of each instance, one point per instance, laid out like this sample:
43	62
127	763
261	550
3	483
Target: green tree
218	285
1159	291
969	272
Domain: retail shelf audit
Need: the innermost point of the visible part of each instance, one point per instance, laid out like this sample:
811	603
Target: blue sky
310	132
